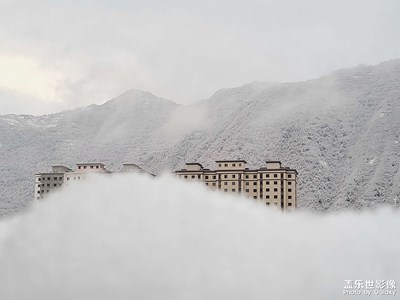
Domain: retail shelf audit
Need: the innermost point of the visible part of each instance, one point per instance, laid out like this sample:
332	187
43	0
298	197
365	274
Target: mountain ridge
339	131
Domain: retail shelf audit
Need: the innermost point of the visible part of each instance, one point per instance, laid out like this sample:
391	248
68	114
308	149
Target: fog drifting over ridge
132	236
65	54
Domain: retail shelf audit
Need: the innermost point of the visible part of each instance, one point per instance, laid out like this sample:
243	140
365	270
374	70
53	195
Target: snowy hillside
341	132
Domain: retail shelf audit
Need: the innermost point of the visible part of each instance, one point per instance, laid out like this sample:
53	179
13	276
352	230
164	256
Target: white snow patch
324	163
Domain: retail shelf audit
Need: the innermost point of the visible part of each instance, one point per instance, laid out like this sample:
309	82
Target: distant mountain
341	132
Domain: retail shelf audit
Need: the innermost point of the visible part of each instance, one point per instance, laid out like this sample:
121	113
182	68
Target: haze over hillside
341	132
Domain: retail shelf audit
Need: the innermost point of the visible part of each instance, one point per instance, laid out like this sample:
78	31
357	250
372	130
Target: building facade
273	184
45	183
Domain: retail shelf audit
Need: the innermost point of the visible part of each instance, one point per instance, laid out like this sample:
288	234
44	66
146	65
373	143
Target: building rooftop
89	164
235	160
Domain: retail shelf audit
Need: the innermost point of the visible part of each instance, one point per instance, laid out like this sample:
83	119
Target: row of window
85	167
225	176
49	178
233	182
276	203
48	184
68	178
42	191
233	165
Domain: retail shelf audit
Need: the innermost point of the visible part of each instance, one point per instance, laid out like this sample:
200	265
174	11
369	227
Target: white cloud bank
133	237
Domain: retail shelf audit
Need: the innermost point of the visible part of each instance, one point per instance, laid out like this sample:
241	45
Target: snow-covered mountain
341	132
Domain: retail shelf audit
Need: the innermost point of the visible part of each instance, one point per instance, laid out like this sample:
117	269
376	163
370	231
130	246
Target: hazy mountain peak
137	95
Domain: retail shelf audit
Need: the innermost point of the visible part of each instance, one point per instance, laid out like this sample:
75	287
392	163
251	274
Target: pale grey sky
62	54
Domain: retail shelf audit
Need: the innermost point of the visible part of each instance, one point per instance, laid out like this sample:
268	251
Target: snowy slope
341	132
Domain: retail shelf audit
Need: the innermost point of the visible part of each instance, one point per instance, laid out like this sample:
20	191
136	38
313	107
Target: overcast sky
63	54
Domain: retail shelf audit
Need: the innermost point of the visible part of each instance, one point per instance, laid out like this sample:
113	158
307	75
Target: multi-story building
273	184
60	175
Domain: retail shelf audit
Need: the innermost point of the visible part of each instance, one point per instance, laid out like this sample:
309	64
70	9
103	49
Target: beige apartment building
45	183
272	184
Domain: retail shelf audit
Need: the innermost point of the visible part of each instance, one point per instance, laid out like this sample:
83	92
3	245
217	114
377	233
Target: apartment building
60	175
272	184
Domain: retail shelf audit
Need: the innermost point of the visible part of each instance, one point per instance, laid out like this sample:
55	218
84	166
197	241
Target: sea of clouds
135	237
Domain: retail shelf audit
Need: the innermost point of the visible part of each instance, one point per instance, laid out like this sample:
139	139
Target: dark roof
273	161
227	160
50	173
193	163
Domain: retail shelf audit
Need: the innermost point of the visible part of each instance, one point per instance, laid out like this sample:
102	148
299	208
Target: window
193	176
289	197
55	184
247	183
233	190
226	165
55	178
254	176
219	165
38	192
275	175
206	177
233	165
233	176
206	183
267	203
214	177
255	190
240	165
255	183
254	197
225	183
91	167
185	176
61	178
289	176
289	183
225	190
267	182
48	184
289	204
275	197
267	190
267	196
233	183
247	176
289	190
97	167
39	179
213	183
266	175
79	167
275	190
84	167
225	176
48	178
198	176
247	190
67	178
275	182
